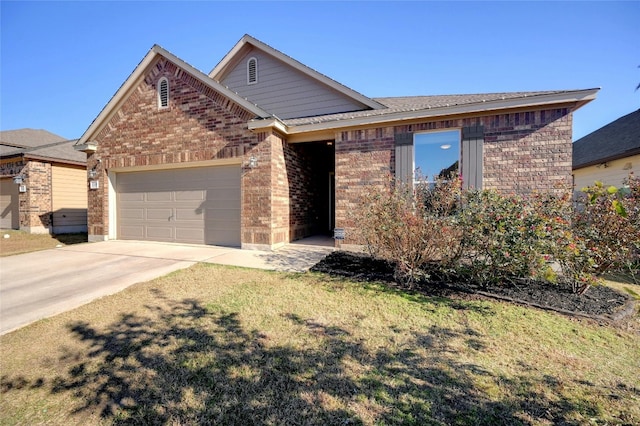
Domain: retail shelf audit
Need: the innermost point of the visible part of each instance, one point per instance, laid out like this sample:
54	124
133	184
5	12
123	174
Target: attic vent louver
252	71
163	93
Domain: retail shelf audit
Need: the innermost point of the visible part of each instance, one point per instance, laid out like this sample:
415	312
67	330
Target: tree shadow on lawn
184	364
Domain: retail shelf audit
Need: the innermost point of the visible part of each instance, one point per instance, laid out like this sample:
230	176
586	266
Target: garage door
198	205
9	204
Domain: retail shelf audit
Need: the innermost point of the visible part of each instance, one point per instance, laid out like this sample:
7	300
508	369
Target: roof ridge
49	145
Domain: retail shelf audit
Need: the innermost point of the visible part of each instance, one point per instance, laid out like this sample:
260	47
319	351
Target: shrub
507	237
412	226
606	232
427	229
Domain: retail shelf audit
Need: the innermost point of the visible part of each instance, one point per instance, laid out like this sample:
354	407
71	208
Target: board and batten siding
404	157
69	199
285	91
472	157
613	174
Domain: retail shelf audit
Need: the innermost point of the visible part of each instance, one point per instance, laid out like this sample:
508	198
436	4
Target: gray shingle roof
416	103
28	138
618	139
39	143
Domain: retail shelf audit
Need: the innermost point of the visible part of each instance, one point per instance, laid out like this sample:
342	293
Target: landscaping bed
599	302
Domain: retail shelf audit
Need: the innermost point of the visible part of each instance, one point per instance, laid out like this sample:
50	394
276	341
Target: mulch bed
598	302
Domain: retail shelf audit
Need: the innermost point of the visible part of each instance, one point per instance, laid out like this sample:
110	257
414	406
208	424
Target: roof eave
54	159
578	97
258	125
629	153
88	147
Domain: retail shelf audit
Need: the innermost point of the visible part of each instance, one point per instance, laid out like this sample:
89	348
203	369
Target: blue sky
61	62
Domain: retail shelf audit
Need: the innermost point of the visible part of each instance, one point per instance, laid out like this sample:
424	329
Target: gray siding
472	157
404	157
286	92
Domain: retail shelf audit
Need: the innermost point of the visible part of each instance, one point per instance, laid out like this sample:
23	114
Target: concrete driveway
41	284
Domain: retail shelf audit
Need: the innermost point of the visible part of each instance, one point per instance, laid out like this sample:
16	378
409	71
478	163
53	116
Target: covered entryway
9	205
195	205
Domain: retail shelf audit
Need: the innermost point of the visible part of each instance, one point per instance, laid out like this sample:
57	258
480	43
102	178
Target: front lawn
221	345
17	242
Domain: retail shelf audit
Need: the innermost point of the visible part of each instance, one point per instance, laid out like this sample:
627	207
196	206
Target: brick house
264	150
51	196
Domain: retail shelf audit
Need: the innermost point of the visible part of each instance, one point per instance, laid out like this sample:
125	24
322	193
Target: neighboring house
265	150
51	196
608	154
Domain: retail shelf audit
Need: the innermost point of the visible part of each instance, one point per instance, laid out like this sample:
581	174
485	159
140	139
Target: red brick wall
36	204
257	195
523	152
363	157
528	151
97	201
199	125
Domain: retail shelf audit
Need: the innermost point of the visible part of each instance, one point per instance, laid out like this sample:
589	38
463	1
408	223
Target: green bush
427	229
606	232
511	237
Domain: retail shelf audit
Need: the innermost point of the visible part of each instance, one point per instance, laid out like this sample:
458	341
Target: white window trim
255	60
160	106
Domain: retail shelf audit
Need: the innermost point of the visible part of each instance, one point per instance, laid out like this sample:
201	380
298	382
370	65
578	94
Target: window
163	93
252	71
438	153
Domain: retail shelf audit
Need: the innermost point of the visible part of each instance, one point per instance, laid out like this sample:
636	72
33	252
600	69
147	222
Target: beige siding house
43	183
264	150
608	154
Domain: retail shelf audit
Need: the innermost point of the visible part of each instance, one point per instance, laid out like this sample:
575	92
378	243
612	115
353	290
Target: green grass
222	345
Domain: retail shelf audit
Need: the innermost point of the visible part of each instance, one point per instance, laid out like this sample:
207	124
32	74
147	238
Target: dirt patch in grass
598	302
19	242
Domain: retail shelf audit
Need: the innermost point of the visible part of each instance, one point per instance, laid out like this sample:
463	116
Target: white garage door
9	205
198	205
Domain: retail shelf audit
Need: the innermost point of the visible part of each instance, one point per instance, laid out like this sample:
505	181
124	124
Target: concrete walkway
41	284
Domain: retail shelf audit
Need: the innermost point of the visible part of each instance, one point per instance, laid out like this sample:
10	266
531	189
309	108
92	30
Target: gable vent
252	71
163	93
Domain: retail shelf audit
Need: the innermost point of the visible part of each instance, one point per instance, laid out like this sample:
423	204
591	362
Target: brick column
36	204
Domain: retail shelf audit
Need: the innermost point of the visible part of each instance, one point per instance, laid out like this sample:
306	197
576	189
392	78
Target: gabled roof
24	138
417	107
618	139
138	75
245	43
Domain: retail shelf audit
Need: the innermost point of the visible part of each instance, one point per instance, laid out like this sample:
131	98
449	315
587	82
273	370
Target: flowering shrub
606	231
